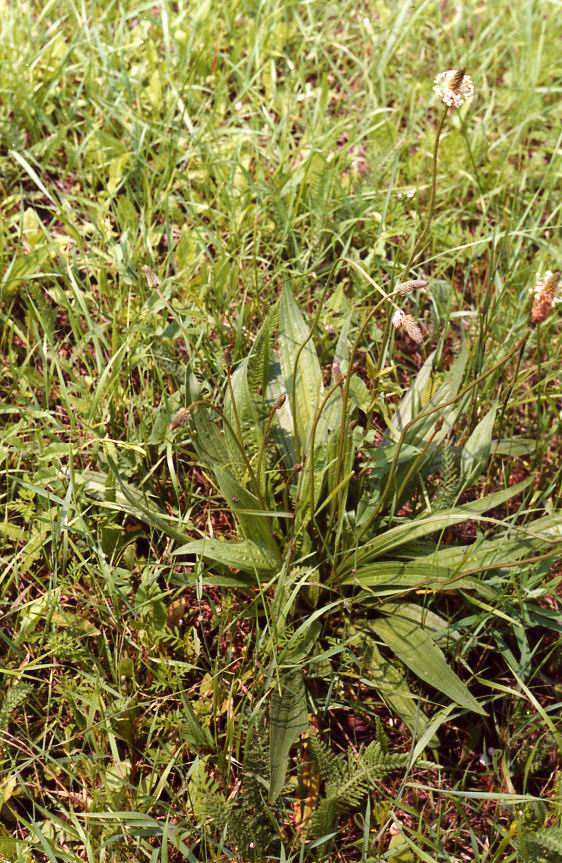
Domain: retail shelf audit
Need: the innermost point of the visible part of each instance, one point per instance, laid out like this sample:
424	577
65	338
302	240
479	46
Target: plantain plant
331	524
345	533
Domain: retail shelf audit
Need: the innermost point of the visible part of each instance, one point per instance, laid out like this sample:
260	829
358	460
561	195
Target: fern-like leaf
542	846
448	485
347	782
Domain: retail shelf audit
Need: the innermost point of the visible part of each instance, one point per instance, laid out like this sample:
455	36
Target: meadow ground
168	171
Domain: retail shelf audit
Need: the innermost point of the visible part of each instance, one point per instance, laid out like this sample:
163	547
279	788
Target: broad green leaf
246	508
261	355
300	366
450	567
443	401
391	684
435	625
282	430
398	576
385	457
215	446
226	579
413	401
496	498
359	393
513	545
243	554
476	450
246	413
289	719
414	646
325	439
515	446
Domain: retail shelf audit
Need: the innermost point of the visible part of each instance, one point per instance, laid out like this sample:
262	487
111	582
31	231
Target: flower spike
454	87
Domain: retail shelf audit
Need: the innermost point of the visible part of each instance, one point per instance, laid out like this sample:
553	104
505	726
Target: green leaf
414	646
391	684
246	413
413	401
435	625
215	447
244	554
397	576
198	735
476	450
283	426
246	508
300	366
289	719
515	446
511	546
442	405
359	393
408	532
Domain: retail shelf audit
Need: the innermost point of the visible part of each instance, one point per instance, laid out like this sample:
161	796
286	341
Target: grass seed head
412	285
181	418
410	327
545	296
337	374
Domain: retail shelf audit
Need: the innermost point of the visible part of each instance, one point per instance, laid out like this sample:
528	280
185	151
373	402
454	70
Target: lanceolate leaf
412	402
245	555
442	406
216	446
381	576
282	431
476	450
246	414
407	533
246	507
289	719
299	362
390	682
414	646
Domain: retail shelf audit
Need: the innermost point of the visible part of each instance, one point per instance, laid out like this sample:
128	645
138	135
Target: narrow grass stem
424	415
420	243
233	403
266	432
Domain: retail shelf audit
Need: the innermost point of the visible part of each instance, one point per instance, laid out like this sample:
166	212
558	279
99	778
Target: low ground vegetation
280	432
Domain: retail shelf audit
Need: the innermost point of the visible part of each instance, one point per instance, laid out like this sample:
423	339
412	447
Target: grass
235	149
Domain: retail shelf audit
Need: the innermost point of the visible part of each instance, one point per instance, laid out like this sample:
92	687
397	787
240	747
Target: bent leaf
243	554
414	646
391	684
